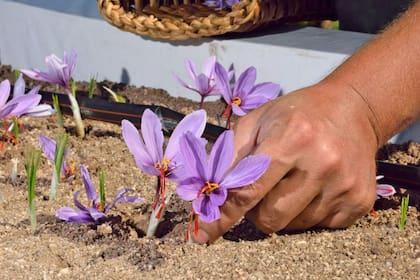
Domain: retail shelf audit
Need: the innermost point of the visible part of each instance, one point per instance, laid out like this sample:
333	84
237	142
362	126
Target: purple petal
56	70
24	103
48	146
189	65
194	122
151	130
202	84
42	110
239	110
95	214
221	156
246	172
77	202
89	187
36	74
205	209
218	197
245	82
121	197
222	82
194	156
71	63
268	90
70	215
181	82
259	95
7	110
385	190
19	87
208	67
34	90
137	148
189	188
4	92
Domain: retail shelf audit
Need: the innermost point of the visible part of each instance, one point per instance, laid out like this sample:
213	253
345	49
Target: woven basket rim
181	22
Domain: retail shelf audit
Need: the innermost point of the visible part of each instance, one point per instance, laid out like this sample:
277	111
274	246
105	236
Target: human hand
322	145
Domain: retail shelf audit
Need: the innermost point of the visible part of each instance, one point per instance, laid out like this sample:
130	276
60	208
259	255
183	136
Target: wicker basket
186	19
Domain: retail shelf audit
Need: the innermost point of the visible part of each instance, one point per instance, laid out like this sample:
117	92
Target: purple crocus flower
48	147
147	148
19	105
383	190
203	83
220	4
58	71
209	179
245	95
95	211
40	110
14	108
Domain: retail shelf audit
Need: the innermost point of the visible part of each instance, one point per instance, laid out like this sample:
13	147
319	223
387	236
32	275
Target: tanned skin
322	139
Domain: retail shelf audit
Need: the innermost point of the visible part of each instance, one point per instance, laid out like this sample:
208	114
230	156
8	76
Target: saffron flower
220	4
14	108
48	147
203	83
209	179
245	95
60	72
383	190
19	105
39	110
147	148
95	212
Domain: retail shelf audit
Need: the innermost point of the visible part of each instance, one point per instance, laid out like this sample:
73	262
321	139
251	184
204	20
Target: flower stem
154	221
54	183
80	128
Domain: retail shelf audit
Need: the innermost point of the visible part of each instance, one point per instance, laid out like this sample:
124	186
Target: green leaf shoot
32	158
114	96
60	148
404	211
92	87
57	107
102	187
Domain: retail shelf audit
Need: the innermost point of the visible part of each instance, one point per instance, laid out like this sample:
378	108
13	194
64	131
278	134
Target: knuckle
245	197
300	129
267	223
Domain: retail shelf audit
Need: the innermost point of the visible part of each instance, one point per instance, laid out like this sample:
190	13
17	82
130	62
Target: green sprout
92	87
15	128
16	74
114	96
31	165
404	211
57	108
60	149
102	187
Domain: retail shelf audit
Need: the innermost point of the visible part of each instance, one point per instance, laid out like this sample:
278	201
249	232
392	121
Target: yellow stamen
164	165
208	188
237	101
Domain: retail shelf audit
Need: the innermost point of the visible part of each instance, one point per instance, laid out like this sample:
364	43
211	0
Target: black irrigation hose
112	112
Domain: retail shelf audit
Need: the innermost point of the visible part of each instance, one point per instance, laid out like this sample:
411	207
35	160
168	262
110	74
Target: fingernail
201	238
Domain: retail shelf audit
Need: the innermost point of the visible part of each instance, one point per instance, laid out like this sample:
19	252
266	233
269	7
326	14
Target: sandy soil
373	248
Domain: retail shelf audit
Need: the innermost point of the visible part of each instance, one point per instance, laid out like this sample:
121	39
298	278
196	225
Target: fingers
352	208
285	201
240	201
